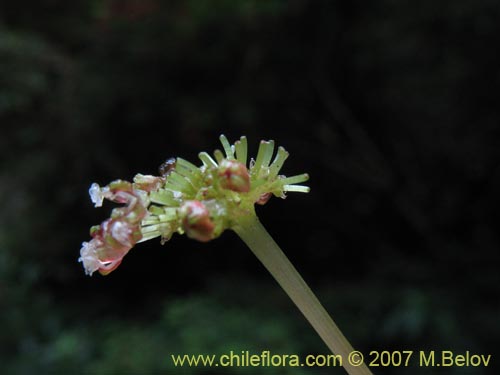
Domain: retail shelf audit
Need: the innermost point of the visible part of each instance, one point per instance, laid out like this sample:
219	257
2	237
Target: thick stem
269	253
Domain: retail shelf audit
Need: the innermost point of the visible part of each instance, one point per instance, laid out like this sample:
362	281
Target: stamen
241	150
163	197
219	156
207	160
295	179
261	155
297	188
278	162
227	147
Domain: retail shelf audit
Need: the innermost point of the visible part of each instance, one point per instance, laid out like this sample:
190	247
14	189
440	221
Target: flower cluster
199	201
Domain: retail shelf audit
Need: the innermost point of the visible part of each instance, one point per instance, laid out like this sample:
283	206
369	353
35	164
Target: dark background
392	107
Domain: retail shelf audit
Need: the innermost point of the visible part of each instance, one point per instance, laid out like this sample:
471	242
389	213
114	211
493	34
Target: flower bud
234	176
196	221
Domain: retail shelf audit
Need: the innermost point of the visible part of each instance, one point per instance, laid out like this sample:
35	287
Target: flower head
199	201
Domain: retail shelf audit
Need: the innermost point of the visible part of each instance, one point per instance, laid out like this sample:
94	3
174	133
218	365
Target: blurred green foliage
390	106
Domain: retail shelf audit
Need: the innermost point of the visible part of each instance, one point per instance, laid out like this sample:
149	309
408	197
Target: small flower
111	241
196	221
97	194
91	255
234	176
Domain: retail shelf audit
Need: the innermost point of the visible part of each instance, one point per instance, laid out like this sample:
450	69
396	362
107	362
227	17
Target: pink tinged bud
234	176
196	221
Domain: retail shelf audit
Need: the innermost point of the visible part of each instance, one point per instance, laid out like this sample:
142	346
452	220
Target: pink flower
89	255
112	240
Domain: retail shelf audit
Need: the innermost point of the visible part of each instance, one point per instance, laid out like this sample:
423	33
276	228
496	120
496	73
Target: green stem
269	253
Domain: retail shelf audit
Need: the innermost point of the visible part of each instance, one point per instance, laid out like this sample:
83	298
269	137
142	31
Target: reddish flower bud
233	175
196	221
